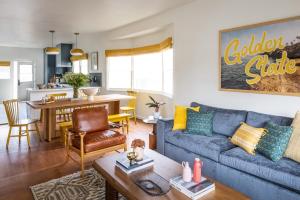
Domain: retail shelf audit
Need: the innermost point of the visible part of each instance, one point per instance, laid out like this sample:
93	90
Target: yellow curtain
77	58
4	63
140	50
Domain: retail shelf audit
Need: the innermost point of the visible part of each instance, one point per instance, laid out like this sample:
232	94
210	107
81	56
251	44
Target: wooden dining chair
14	121
64	113
130	108
91	135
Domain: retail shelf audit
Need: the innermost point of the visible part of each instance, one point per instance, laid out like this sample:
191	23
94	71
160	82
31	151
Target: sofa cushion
292	150
199	123
180	117
260	120
99	140
209	147
247	137
226	121
274	143
285	172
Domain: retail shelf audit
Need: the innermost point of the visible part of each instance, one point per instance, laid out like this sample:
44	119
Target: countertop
48	89
53	89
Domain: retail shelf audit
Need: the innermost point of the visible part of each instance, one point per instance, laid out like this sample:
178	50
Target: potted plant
156	105
138	146
76	80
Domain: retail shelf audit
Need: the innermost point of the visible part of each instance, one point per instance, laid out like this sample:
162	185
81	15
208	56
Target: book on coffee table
192	189
124	164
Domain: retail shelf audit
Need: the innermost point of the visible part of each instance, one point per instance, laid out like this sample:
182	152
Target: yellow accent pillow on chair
247	137
293	149
180	117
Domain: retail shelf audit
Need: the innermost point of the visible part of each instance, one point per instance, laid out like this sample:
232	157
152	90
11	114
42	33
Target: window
26	73
119	72
81	66
145	72
4	72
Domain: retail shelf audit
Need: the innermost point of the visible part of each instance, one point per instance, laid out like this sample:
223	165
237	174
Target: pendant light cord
76	35
52	39
52	36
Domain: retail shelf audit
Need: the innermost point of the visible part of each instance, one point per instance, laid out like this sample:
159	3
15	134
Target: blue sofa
255	176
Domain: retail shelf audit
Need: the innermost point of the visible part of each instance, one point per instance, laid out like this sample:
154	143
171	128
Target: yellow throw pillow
293	149
247	137
180	117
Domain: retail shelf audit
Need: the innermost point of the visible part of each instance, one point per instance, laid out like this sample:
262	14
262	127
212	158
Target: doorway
25	78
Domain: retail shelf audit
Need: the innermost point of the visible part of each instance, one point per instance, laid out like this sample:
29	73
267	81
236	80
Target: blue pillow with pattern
273	144
199	123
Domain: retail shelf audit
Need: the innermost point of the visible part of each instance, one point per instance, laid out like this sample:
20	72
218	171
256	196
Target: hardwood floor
21	167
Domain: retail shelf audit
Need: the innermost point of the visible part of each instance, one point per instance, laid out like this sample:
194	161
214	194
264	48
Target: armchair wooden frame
84	155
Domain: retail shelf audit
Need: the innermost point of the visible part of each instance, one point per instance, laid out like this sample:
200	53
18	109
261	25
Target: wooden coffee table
118	182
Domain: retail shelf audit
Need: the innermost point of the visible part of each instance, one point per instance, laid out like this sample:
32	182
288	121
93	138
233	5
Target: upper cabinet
63	59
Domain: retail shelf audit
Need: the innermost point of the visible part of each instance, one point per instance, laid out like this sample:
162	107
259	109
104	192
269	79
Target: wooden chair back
12	111
132	102
58	96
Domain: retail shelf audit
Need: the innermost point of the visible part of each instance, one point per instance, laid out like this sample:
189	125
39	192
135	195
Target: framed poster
261	58
94	62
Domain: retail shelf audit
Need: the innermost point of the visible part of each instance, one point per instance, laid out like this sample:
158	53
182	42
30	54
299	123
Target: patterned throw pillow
247	137
181	116
199	123
293	149
274	143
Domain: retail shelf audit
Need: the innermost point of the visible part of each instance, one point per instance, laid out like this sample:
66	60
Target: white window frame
107	78
80	66
162	92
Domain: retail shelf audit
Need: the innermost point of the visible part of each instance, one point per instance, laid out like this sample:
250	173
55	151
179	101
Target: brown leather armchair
90	134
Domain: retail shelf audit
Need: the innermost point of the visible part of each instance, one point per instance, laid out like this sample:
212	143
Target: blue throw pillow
274	143
199	123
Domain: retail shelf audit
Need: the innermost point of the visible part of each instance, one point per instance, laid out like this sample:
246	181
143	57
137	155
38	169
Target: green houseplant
156	105
76	80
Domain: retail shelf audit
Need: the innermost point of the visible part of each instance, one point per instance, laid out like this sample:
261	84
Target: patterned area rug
72	187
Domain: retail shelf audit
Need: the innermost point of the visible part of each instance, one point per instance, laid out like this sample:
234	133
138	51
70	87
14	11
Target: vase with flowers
156	105
76	80
138	146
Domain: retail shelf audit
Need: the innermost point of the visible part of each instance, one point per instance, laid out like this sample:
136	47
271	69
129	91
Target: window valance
4	63
141	50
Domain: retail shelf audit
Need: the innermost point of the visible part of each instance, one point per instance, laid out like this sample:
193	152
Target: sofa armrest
163	126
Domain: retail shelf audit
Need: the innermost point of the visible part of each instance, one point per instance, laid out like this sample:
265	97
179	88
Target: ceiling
25	23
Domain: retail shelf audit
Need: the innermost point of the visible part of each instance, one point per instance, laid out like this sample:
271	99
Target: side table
152	135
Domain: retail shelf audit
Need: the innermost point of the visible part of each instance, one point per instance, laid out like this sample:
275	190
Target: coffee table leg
110	192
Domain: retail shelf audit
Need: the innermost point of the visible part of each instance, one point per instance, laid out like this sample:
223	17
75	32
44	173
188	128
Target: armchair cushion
90	120
99	140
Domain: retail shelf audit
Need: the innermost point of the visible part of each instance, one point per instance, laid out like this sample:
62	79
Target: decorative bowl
90	92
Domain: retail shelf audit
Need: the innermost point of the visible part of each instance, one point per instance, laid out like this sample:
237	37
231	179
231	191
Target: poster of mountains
261	58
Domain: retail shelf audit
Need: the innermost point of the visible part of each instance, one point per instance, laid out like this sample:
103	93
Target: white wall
20	54
195	33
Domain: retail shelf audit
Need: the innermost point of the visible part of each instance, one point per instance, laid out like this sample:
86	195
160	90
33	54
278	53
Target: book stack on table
191	189
124	164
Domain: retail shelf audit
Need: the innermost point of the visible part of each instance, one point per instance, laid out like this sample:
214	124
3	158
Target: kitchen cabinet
63	59
49	67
